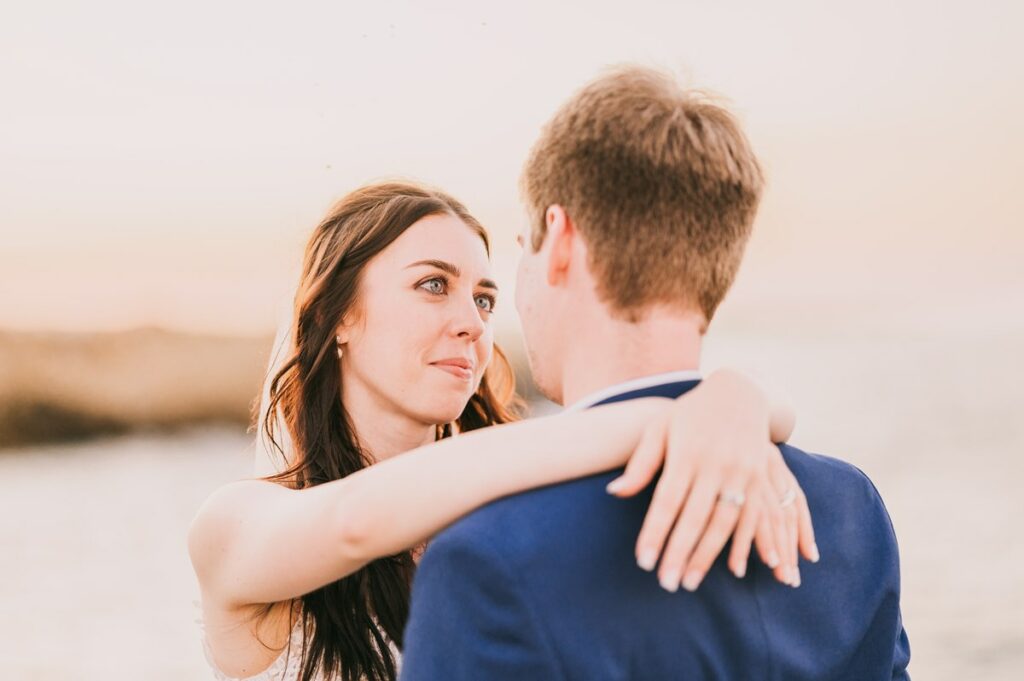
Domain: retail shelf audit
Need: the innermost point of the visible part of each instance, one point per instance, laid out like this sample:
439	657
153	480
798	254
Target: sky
162	165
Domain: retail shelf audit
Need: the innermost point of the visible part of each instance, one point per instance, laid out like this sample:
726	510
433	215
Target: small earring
337	340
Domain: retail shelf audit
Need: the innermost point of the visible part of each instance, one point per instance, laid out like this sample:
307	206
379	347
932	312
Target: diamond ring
788	498
732	498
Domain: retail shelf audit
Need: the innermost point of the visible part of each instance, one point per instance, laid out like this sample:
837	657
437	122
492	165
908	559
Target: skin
255	542
392	381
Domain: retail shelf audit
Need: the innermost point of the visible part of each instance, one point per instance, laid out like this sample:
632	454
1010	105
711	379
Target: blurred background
162	165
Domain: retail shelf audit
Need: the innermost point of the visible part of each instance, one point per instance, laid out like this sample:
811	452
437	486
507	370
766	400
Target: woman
306	573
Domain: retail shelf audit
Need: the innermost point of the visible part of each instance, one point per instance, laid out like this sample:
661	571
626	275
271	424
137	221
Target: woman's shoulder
229	501
218	517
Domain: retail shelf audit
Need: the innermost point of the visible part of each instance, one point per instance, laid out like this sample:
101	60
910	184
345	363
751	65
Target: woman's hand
722	477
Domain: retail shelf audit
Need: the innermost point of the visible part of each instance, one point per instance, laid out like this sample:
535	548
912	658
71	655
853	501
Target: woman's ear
341	337
343	332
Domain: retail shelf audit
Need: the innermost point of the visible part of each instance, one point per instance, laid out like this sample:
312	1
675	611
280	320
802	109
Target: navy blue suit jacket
544	585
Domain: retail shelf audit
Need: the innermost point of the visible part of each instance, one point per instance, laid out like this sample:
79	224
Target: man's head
641	197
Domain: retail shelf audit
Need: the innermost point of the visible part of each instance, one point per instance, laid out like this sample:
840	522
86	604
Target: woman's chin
440	401
447	410
450	415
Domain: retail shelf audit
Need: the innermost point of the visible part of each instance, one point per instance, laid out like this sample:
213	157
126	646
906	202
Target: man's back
543	585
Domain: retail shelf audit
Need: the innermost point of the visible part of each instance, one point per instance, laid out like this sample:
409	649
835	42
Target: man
642	198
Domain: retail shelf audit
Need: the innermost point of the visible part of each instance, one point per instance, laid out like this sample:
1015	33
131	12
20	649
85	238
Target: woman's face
420	336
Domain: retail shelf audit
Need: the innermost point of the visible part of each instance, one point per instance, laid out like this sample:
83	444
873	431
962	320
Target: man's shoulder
843	500
523	523
829	475
841	497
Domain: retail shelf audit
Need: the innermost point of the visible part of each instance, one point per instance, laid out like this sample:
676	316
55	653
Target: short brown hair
660	181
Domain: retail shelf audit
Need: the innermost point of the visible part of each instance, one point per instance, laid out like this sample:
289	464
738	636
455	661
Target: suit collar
656	385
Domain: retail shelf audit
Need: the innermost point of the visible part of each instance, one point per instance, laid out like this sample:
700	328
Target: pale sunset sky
162	164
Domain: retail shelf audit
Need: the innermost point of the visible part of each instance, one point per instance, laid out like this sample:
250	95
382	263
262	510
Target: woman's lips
455	368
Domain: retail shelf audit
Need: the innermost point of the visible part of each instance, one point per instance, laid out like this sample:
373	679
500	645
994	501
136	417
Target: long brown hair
347	624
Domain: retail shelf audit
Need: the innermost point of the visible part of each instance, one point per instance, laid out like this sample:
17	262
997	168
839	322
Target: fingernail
691	581
773	559
647	559
670	582
741	570
796	577
815	556
614	486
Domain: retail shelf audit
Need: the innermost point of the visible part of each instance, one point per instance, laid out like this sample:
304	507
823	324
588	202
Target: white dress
285	668
287	665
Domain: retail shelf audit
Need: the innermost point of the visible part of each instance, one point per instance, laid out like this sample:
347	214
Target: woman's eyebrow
451	269
439	264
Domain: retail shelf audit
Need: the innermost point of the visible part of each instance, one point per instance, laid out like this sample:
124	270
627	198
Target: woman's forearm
783	421
399	503
782	417
403	501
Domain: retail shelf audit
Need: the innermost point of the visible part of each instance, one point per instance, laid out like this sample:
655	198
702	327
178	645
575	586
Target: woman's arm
782	421
258	542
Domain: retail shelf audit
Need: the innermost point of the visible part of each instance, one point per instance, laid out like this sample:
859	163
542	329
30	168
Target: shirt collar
631	385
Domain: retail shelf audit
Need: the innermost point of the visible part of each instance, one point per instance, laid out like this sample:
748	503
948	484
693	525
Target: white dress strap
285	667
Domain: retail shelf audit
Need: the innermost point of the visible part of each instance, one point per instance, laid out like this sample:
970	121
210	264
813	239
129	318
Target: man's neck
660	343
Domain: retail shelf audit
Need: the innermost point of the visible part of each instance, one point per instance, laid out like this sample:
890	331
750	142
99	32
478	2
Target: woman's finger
783	542
792	550
669	496
786	490
690	527
770	538
805	527
743	538
724	520
764	541
786	539
808	545
643	465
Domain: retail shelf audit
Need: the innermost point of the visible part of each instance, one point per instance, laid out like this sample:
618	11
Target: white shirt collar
631	385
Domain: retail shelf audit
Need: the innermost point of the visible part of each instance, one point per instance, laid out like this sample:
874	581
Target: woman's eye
485	303
434	285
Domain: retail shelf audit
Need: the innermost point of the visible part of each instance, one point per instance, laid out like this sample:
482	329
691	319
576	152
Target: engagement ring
732	498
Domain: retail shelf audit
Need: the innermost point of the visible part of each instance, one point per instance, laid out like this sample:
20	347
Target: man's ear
561	236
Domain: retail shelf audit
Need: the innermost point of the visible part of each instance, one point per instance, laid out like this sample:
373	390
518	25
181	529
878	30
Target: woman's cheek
485	351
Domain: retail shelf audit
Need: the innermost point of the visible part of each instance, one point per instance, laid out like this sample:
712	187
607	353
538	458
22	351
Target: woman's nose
467	322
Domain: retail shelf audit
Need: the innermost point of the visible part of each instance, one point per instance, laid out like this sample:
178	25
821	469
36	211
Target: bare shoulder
223	513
